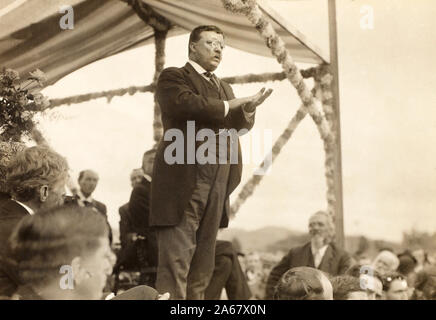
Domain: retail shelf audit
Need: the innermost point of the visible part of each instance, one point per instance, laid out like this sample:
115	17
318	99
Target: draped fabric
31	36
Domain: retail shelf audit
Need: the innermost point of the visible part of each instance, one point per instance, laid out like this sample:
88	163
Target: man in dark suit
127	256
126	226
36	178
190	191
88	180
320	253
139	212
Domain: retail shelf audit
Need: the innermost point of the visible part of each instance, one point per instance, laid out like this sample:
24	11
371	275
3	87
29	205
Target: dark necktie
212	79
87	203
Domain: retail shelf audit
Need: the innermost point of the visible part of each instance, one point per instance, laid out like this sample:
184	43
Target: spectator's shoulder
124	209
339	251
100	206
100	203
299	249
140	188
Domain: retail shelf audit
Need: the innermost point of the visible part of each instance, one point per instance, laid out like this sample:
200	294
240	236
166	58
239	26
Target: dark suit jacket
11	214
334	262
4	197
181	94
139	207
100	206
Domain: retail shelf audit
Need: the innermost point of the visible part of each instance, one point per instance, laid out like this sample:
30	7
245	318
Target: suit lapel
227	90
196	79
10	208
308	256
199	82
326	261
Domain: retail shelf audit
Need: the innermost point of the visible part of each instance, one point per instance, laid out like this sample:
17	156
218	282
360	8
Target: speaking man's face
208	50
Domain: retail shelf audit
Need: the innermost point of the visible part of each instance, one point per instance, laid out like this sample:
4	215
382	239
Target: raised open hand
257	100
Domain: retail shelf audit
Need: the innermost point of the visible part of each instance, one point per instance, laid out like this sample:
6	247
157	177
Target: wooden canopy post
160	26
336	125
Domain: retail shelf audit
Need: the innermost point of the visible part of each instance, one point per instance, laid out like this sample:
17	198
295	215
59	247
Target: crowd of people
54	246
43	230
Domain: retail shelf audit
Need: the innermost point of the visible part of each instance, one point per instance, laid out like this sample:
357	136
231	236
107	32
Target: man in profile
36	179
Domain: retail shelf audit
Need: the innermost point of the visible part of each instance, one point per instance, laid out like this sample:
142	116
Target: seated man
348	288
303	283
64	254
36	179
320	253
227	274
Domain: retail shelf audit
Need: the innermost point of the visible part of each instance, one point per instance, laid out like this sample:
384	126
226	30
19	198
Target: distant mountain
257	240
274	239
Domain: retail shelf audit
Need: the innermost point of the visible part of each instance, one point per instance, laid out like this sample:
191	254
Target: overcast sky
388	102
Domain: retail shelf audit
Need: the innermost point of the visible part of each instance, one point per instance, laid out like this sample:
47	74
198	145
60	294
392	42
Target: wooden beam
334	69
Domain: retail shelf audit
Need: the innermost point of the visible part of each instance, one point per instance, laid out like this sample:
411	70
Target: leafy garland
254	181
19	102
110	94
322	90
250	9
7	151
278	49
160	41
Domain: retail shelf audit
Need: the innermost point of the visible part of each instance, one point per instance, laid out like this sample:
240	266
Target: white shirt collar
83	198
321	251
147	177
28	209
197	67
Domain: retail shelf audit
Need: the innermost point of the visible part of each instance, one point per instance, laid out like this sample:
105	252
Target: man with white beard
320	253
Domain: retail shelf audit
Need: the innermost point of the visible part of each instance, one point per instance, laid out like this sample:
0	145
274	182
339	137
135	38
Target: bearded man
320	253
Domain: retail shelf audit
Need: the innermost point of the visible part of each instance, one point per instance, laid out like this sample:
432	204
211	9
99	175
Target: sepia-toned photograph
225	150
